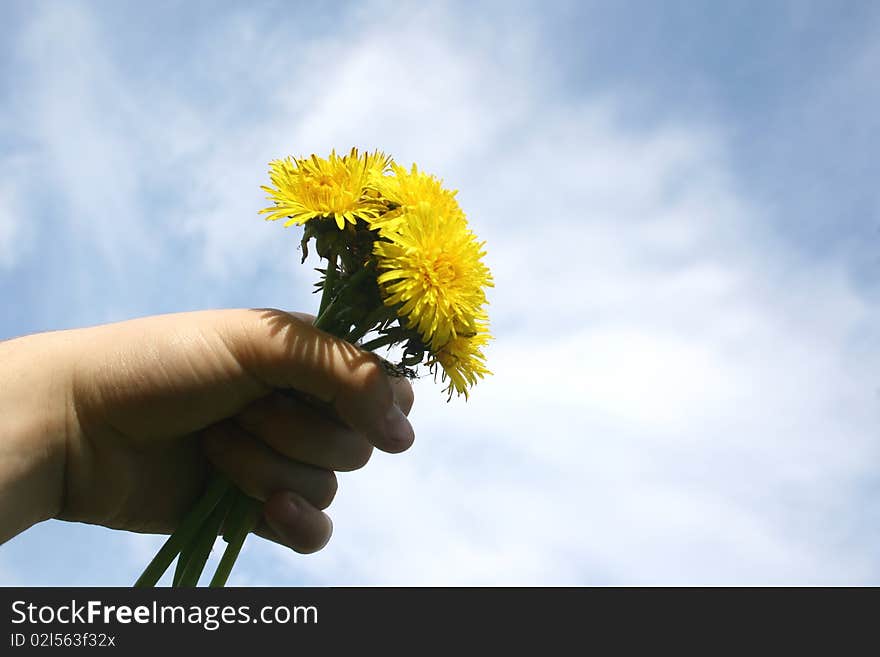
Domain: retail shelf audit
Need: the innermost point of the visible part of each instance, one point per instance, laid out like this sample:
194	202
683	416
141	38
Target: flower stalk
216	489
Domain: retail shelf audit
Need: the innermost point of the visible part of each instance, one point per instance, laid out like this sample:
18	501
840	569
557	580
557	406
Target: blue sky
682	215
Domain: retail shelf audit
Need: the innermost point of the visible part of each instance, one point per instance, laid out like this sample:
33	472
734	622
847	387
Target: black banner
241	620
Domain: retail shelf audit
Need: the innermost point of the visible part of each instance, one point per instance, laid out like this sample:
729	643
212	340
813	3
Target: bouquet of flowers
403	269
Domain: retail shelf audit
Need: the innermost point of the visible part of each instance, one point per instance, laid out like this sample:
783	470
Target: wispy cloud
12	227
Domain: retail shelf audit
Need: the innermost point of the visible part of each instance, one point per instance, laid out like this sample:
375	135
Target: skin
118	425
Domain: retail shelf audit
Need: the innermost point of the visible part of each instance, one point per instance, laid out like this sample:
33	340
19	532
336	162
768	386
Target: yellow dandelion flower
431	271
462	361
411	189
338	188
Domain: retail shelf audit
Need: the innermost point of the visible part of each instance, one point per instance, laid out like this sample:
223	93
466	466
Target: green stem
367	325
187	530
207	533
201	547
237	514
182	559
329	282
249	510
381	341
356	278
323	320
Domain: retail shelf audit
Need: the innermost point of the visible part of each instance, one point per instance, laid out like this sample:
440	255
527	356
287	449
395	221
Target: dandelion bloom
462	361
338	188
431	271
407	190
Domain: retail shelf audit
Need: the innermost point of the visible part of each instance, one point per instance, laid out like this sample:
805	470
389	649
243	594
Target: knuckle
215	443
357	456
368	376
404	395
252	418
311	546
329	487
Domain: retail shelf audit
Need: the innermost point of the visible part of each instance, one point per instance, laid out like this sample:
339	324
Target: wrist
35	419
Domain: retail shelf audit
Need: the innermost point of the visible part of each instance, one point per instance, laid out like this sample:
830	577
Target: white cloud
16	229
10	225
89	146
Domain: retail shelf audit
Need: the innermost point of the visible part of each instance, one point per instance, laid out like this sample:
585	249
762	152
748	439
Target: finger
260	471
303	433
284	351
290	520
401	388
306	317
403	393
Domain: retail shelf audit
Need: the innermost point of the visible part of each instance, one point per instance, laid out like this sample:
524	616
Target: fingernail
329	533
398	430
284	518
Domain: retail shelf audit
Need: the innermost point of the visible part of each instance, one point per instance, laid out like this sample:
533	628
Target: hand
116	425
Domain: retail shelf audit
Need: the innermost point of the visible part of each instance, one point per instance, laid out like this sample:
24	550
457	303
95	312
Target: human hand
116	425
